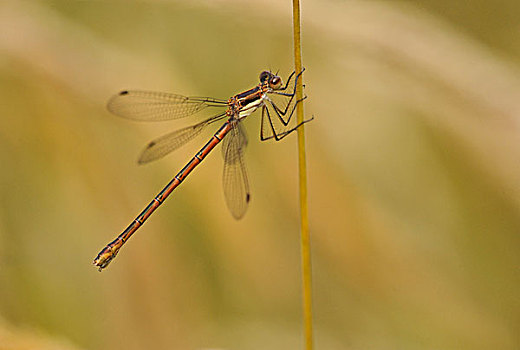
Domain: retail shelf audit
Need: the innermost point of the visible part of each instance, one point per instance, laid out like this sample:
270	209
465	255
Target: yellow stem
302	167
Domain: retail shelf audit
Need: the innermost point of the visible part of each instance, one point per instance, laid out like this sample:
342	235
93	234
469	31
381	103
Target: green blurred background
413	174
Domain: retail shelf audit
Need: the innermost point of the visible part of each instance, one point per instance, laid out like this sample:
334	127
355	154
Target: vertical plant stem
302	167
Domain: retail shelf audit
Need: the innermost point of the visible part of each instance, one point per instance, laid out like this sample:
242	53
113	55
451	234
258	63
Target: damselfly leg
277	113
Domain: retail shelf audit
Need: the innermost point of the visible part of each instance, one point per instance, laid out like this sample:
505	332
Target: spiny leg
280	114
277	135
279	91
283	111
281	135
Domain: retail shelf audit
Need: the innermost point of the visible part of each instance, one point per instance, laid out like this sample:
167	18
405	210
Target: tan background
414	177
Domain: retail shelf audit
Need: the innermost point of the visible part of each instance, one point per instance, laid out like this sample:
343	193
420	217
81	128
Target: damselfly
278	103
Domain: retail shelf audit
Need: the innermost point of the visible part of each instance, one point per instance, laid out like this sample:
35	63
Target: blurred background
413	174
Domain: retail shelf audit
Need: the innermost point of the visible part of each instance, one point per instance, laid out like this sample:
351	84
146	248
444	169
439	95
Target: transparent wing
157	106
237	135
165	144
236	185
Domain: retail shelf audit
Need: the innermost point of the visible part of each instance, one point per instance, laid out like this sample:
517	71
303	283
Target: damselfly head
274	81
265	76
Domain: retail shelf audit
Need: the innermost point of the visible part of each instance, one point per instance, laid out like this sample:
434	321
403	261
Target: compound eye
276	82
264	76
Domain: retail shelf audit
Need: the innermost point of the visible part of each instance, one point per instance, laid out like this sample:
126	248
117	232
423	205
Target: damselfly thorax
277	102
247	102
